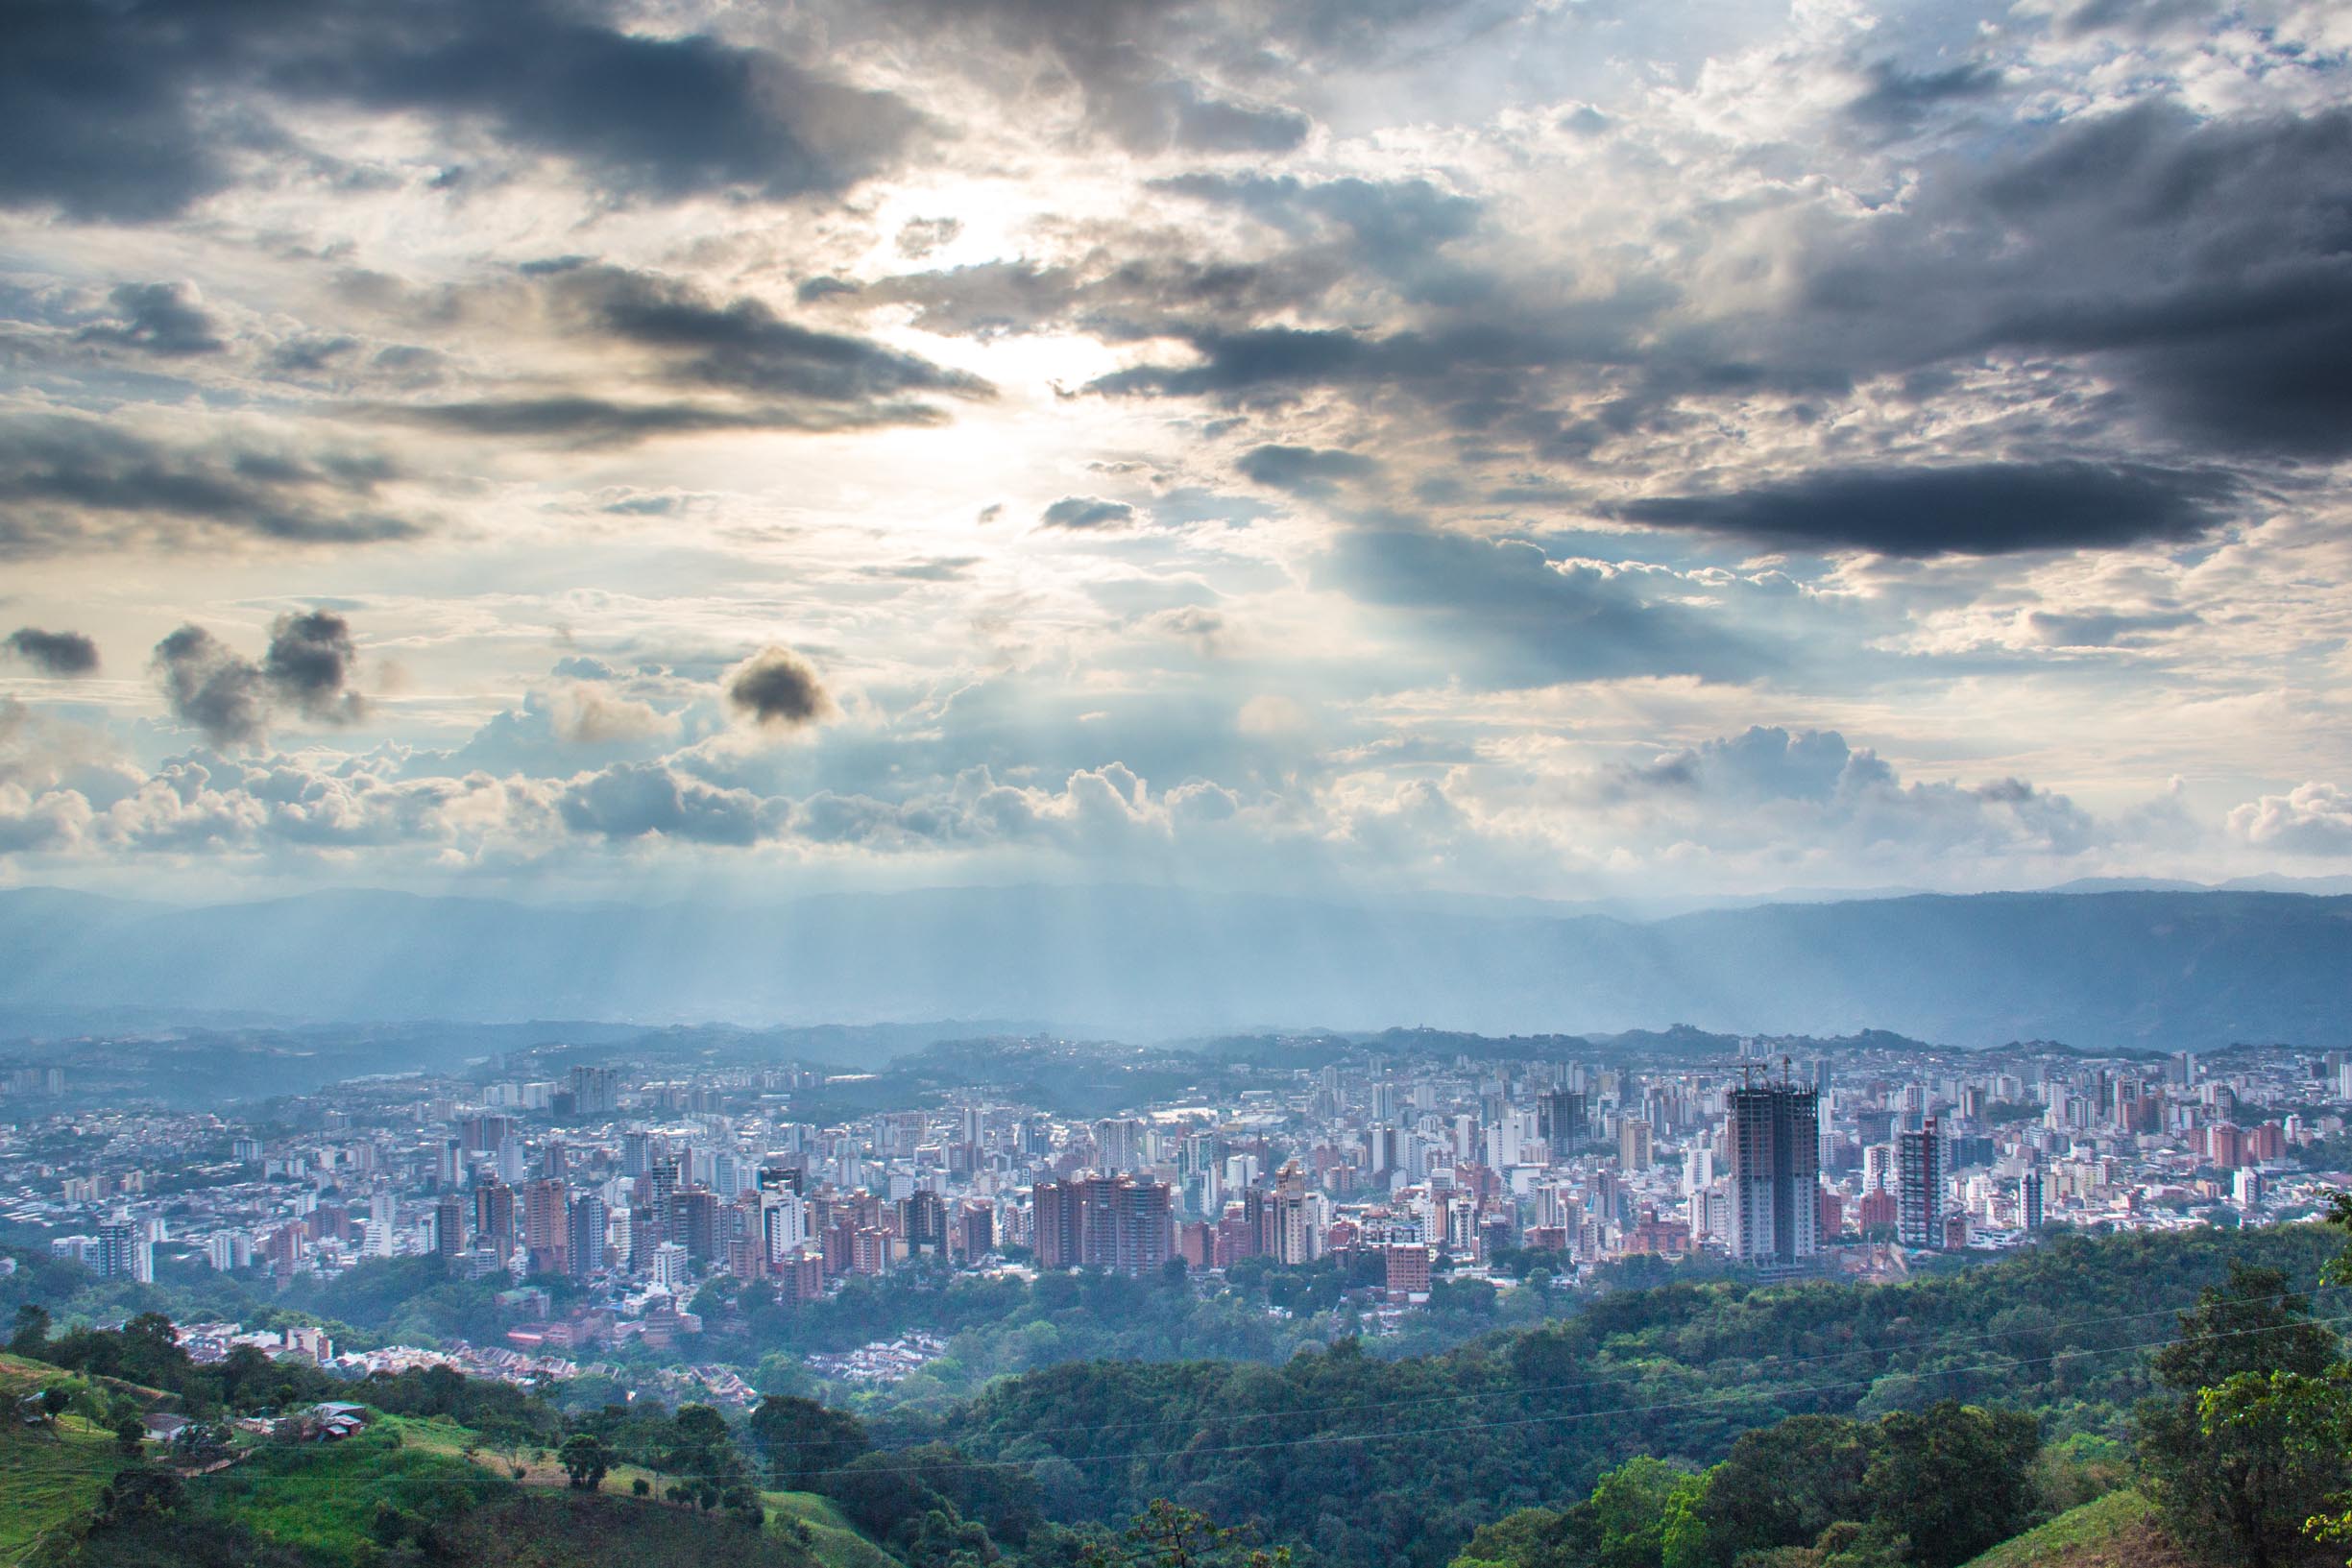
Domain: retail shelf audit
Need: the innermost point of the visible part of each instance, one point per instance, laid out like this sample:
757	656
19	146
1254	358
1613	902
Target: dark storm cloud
776	687
1524	619
2203	267
54	653
1979	509
2240	332
309	664
135	111
210	685
98	111
69	483
1303	470
162	319
1085	512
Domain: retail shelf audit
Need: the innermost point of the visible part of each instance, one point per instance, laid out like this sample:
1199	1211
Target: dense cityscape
1406	1163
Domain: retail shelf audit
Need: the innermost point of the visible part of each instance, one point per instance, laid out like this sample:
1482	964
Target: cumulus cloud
777	689
644	800
2313	818
584	714
54	653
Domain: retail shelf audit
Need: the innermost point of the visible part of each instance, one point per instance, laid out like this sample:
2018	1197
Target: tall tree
2244	1377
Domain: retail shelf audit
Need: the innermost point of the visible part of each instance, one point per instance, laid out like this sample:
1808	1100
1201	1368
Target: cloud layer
1412	448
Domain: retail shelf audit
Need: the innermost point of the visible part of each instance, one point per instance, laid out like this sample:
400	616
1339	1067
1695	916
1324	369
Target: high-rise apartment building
1561	1121
1919	1186
1113	1223
585	1226
124	1251
922	1220
494	1218
1774	1143
596	1091
382	1211
449	1227
546	1227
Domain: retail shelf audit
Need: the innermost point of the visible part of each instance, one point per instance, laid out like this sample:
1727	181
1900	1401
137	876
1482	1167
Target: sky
1362	448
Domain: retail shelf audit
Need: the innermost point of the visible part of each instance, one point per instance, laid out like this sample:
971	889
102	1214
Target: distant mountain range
2097	970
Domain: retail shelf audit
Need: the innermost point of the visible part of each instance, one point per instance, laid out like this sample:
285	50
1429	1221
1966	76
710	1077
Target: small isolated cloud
1303	470
776	687
210	685
54	653
1084	511
2313	818
309	664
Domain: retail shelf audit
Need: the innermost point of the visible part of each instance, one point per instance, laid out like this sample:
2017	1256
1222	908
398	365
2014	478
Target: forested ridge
1395	1462
1711	1424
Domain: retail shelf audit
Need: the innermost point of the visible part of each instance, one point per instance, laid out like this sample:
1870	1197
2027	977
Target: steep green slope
835	1542
2117	1530
50	1475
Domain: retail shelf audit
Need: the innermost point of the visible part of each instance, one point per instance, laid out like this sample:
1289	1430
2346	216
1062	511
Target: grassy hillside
284	1507
836	1542
50	1476
324	1498
2117	1530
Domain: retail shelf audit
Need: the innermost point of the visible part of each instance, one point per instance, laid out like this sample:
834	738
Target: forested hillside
1695	1425
1369	1461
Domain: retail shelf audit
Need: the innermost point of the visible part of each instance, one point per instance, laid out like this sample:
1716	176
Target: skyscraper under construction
1776	1174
